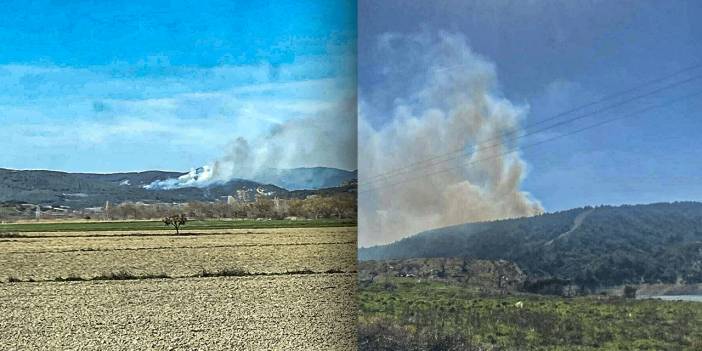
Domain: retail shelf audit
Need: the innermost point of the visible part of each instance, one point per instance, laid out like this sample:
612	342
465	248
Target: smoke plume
324	138
450	102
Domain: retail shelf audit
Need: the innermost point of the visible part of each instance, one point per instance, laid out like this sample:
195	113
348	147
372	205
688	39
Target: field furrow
235	313
219	289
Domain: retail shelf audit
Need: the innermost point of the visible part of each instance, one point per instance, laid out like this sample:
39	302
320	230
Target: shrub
630	292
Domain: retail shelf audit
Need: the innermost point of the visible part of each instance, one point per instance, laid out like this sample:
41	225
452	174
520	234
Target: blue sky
552	56
98	86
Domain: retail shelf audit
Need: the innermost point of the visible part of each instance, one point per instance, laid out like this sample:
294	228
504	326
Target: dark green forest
630	244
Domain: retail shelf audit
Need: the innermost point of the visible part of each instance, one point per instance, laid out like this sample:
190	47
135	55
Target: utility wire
516	149
567	121
391	173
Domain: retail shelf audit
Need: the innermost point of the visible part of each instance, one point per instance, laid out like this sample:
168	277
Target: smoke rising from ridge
450	102
324	138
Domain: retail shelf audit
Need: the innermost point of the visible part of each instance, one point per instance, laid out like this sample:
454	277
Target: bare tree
176	221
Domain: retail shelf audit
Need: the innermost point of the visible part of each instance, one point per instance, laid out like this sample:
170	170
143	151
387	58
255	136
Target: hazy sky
552	56
106	86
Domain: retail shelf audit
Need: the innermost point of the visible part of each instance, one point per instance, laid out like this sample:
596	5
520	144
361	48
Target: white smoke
450	103
323	138
196	177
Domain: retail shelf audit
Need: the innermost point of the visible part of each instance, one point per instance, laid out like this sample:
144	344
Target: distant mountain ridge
92	189
655	243
131	178
305	178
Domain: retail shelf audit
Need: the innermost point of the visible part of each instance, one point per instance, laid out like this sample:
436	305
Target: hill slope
608	246
83	190
306	178
79	190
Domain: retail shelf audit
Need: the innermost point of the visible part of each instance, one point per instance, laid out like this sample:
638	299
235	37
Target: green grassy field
158	225
402	314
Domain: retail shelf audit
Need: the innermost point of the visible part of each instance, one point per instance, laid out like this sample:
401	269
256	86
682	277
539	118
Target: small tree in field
176	221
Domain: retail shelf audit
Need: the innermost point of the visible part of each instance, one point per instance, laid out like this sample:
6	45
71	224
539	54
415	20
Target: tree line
340	206
657	243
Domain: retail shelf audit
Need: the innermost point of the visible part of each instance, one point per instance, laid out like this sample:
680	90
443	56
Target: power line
391	173
554	117
567	121
516	149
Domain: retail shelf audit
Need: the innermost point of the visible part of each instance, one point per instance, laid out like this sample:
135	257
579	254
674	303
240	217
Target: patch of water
696	298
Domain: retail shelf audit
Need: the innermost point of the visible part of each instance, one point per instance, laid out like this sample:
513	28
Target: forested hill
611	245
79	190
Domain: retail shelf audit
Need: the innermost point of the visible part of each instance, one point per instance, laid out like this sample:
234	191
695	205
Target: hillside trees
658	243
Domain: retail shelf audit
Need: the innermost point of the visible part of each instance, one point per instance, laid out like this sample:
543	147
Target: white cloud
199	108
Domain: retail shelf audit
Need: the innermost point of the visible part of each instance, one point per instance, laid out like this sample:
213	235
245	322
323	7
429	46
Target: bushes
630	292
425	316
384	335
227	272
120	275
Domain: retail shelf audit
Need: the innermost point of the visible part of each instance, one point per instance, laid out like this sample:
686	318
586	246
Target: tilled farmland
277	289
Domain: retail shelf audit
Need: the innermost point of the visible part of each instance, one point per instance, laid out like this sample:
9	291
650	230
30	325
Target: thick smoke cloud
450	101
324	138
